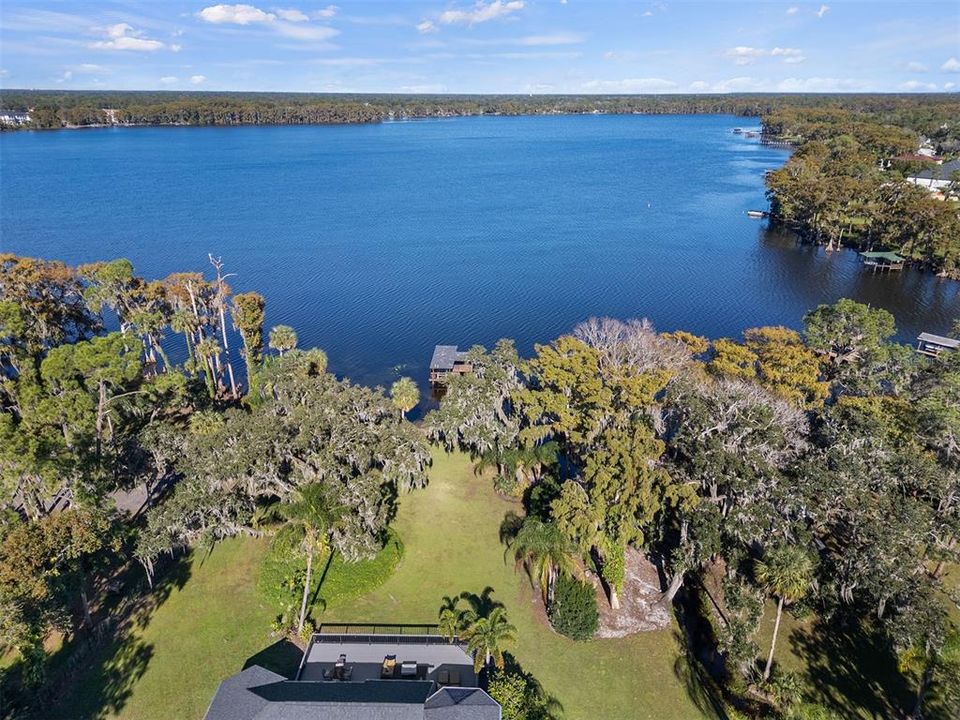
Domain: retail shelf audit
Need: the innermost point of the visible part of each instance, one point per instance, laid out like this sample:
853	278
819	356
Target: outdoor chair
347	673
389	665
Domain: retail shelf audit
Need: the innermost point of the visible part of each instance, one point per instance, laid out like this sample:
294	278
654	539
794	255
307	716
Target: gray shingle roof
460	703
234	700
444	357
939	172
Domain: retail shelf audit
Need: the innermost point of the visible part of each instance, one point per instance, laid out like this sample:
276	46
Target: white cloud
235	15
427	26
951	65
793	10
946	86
824	9
122	36
648	13
290	23
916	67
197	79
326	13
739	84
480	13
699	86
305	32
743	55
819	84
67	76
169	80
292	15
557	39
631	85
917	85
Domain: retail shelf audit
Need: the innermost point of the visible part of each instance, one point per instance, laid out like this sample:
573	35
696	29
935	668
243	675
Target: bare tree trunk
773	642
614	598
676	582
85	602
306	592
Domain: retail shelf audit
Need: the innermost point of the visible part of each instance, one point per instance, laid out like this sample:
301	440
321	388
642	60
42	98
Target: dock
933	345
447	360
883	260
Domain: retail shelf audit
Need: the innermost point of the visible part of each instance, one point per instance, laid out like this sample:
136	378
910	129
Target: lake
377	242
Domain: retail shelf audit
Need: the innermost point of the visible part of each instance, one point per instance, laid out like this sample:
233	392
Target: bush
573	611
283	570
519	695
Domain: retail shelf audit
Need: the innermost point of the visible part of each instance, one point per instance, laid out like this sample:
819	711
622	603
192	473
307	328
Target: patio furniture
408	669
341	660
389	665
346	673
454	677
329	674
443	677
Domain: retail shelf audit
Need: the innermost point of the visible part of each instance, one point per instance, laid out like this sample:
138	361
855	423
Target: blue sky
509	46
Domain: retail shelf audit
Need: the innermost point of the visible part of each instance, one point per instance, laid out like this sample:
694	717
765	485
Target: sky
482	46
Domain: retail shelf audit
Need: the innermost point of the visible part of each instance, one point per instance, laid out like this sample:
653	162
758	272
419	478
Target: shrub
519	695
283	570
573	611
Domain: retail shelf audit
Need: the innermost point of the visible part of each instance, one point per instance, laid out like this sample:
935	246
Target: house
14	118
351	672
936	177
447	360
933	345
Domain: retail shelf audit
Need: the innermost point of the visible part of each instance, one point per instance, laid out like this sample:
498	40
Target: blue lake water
377	242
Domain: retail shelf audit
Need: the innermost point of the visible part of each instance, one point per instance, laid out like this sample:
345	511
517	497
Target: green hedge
573	611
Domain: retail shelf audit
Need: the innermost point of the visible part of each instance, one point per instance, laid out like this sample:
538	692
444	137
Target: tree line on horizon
55	109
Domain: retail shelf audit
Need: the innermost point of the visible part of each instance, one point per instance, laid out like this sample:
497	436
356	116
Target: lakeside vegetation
56	109
846	183
790	489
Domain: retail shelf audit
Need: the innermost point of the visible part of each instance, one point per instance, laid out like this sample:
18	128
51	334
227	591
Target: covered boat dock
933	345
883	260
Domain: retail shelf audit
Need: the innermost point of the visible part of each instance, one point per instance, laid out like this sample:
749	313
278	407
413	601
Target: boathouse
447	360
933	345
883	260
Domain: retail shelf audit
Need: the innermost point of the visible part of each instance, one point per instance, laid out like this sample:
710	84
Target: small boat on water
756	214
738	131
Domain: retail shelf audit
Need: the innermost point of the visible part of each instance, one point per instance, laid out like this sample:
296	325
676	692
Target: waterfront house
936	177
363	672
447	360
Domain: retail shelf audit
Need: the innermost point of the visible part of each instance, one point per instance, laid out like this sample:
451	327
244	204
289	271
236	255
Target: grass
206	622
850	669
335	581
451	537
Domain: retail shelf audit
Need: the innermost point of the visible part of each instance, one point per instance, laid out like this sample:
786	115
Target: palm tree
451	618
283	338
787	573
310	511
544	551
405	395
486	637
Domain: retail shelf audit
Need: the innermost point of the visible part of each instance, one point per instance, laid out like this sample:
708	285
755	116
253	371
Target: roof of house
939	340
459	703
445	357
888	256
258	694
939	172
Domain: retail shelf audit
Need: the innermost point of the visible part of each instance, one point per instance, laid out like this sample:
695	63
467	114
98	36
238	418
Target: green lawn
209	620
450	532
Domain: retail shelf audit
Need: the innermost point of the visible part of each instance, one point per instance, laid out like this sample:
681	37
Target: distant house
936	177
14	118
363	673
448	360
